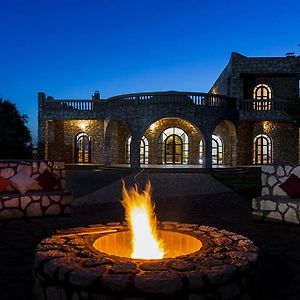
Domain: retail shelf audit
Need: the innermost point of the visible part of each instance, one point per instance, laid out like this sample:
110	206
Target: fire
142	223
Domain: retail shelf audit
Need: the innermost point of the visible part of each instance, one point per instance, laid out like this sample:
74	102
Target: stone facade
234	117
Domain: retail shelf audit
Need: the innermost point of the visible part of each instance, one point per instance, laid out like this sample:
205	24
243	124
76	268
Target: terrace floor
279	276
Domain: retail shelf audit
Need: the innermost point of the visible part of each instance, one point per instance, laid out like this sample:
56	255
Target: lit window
201	152
262	150
262	95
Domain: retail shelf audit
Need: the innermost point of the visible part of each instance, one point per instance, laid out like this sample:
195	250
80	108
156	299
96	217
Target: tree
15	138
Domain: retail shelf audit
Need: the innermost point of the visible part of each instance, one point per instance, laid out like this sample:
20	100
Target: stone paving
279	276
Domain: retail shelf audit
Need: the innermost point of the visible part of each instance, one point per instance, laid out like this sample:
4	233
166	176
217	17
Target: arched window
217	150
173	146
82	148
262	150
262	95
201	152
144	150
128	142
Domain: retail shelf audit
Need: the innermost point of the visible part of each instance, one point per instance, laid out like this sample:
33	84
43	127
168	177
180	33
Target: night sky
70	48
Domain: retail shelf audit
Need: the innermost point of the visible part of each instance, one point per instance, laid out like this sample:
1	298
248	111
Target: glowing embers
175	244
143	240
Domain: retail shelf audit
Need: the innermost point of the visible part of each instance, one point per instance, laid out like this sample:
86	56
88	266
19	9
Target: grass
246	184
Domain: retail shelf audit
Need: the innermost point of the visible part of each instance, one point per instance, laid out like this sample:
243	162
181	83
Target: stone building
248	117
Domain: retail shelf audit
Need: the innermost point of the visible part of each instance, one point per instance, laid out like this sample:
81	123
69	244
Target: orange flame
142	223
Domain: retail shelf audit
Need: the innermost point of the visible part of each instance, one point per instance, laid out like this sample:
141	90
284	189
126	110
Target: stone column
207	163
135	152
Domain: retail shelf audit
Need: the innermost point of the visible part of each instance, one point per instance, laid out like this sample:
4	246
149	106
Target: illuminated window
173	146
201	152
262	95
262	150
144	150
82	148
217	150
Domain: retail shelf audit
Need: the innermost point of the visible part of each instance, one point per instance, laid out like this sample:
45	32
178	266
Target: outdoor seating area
33	189
280	194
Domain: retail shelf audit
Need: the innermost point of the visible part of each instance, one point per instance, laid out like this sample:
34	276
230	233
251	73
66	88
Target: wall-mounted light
82	125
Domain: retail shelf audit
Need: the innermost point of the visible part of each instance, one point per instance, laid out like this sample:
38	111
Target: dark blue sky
70	48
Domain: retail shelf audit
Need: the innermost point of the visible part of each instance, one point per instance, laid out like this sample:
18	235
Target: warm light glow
83	125
142	223
153	126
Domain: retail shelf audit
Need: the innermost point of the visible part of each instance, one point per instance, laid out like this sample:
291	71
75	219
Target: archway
224	142
82	148
116	134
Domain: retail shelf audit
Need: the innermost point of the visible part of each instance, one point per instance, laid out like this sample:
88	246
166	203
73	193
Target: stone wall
62	134
284	136
34	203
274	204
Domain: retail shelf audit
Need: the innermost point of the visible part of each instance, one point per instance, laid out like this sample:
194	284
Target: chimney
96	96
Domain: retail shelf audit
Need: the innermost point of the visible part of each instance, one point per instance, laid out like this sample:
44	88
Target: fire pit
102	262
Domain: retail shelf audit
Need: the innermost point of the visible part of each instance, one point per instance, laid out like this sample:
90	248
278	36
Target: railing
263	105
198	99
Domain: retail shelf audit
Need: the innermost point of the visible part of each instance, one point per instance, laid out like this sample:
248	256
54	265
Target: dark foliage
15	138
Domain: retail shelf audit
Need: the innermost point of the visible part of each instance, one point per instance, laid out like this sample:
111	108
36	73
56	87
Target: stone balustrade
199	99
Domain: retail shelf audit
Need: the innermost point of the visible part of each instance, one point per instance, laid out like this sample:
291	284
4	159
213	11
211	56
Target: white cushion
22	182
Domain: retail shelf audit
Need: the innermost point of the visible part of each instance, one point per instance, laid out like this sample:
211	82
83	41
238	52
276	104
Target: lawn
247	183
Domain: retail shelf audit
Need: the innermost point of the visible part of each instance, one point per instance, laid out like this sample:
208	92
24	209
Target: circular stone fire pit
93	263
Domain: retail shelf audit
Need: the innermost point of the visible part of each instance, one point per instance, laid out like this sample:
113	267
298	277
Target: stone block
14	202
7	173
274	216
265	191
280	171
53	210
296	171
278	191
268	205
255	204
291	216
272	181
11	213
34	209
268	169
282	207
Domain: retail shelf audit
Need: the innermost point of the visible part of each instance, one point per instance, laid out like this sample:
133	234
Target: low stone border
34	203
276	208
68	267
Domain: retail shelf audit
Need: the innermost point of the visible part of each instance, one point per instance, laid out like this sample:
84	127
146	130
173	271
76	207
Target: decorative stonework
34	203
274	204
67	266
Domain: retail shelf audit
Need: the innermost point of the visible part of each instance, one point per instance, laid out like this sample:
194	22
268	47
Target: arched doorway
262	150
144	150
173	146
82	148
217	150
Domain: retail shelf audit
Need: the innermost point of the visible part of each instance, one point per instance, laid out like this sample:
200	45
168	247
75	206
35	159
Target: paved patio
279	277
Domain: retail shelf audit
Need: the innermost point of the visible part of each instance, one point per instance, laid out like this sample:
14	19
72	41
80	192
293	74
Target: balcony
275	109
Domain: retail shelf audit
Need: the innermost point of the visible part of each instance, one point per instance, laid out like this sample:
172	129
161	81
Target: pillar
208	152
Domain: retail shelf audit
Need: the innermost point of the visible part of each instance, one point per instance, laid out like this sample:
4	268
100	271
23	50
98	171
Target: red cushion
292	186
48	181
4	183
